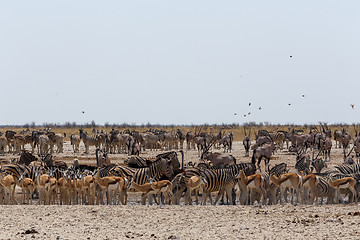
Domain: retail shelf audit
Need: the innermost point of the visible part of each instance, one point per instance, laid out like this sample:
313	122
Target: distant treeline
93	124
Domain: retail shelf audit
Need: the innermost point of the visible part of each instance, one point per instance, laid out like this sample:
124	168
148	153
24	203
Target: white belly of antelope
252	185
346	185
286	184
113	186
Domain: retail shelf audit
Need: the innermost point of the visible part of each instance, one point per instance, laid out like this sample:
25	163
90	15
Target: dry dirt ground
179	222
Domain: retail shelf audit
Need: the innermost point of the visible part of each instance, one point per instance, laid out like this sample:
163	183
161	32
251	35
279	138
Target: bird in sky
83	112
259	108
352	106
235	113
249	104
303	95
249	113
244	115
290	56
289	104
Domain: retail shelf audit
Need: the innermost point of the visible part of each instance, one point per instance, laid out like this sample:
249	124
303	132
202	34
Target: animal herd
164	179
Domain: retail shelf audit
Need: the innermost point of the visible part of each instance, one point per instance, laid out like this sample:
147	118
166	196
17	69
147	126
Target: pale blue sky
179	62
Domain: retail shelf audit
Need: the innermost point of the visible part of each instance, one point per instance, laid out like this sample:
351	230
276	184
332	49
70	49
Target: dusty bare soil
179	222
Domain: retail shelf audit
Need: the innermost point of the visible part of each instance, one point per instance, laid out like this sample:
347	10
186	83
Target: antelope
196	183
3	143
264	151
144	188
9	134
89	188
41	182
190	140
227	141
50	188
252	183
346	182
9	184
27	188
291	181
111	184
247	142
63	187
163	186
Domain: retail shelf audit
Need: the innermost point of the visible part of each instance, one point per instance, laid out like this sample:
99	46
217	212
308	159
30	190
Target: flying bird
234	113
303	95
83	112
352	106
259	108
289	104
249	113
290	56
244	115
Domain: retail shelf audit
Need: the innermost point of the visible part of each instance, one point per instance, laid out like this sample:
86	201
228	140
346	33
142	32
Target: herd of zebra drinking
53	182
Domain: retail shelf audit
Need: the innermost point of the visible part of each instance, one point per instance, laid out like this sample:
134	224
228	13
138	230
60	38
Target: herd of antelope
165	179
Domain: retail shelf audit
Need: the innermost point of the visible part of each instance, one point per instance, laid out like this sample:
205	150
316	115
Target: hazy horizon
179	63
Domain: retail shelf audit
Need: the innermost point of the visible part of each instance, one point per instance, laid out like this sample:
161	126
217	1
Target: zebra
89	140
279	138
180	180
155	171
140	162
137	161
348	169
75	142
220	180
303	165
323	189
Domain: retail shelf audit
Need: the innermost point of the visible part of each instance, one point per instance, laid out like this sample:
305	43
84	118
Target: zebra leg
218	196
258	163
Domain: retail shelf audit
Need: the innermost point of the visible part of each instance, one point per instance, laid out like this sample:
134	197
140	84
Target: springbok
196	183
40	182
27	188
252	183
112	185
9	184
145	188
292	181
163	186
89	188
346	182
